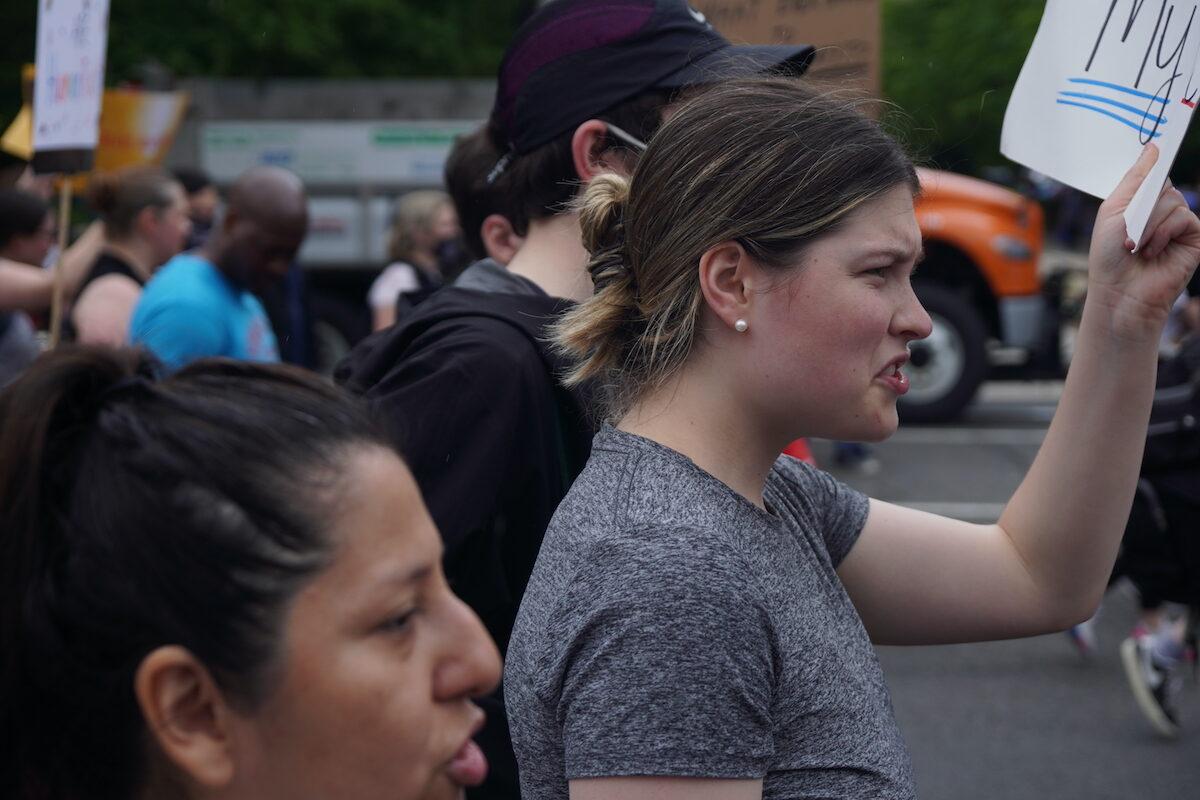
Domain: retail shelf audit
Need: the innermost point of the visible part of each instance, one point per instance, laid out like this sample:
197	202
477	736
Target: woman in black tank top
144	211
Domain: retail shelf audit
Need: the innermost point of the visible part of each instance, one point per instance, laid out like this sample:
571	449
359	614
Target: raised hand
1138	289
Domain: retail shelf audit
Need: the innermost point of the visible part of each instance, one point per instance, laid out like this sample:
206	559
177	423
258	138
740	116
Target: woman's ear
186	715
591	151
727	279
146	220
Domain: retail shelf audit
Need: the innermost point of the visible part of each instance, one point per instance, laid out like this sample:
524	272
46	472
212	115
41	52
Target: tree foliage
314	38
296	38
950	66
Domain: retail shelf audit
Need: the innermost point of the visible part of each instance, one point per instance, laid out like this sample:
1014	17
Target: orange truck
979	282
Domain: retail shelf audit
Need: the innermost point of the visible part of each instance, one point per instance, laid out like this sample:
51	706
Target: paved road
1030	718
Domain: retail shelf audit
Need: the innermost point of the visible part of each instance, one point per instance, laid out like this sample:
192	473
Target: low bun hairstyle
118	197
135	513
614	318
768	162
602	221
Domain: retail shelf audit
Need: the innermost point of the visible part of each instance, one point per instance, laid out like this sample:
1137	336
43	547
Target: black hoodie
466	384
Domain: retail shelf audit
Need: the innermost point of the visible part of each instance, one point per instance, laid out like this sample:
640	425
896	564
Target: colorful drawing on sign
1099	99
71	40
1086	104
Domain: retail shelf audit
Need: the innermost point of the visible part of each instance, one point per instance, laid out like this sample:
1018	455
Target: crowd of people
537	538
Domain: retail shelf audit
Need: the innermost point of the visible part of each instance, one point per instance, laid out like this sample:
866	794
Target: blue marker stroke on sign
1146	121
1111	115
1119	88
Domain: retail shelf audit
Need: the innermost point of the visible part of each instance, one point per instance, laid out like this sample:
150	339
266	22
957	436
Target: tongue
469	766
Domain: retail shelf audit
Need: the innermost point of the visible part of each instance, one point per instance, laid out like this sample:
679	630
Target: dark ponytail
137	512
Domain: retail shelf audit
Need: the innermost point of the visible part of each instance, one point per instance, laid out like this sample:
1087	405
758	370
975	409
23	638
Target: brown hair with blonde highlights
769	163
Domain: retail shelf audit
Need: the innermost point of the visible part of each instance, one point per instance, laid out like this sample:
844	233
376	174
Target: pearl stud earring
741	326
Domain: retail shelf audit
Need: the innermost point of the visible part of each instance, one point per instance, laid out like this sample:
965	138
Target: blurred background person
202	201
1161	550
203	303
144	212
424	234
27	233
33	291
27	227
223	584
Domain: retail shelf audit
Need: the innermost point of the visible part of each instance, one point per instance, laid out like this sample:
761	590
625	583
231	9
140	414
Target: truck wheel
948	366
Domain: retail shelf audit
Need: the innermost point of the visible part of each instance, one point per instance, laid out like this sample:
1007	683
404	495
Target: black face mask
199	235
452	257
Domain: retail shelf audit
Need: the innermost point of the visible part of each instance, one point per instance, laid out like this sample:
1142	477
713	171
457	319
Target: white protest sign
1103	79
72	38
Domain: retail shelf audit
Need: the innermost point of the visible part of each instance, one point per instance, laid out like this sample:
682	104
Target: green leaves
314	38
951	66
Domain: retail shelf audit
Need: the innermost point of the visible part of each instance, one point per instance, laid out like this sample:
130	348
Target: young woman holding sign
700	619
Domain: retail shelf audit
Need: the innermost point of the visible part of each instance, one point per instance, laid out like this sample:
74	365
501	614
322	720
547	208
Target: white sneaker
1155	688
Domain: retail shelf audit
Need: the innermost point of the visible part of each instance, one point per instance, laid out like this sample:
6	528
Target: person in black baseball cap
467	379
576	59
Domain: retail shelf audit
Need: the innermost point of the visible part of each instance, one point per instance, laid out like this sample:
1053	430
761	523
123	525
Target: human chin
441	786
884	421
875	420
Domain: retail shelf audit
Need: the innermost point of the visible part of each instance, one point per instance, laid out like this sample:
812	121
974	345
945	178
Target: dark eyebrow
403	578
896	253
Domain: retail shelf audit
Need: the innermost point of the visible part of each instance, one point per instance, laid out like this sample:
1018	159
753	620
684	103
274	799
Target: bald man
202	303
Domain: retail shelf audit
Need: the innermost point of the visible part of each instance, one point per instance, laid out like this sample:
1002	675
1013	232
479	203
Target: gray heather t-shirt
671	627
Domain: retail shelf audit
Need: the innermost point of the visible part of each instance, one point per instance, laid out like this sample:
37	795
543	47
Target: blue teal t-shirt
190	310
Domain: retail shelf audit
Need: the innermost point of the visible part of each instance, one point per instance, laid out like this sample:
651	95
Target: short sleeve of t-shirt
838	511
668	665
396	279
178	331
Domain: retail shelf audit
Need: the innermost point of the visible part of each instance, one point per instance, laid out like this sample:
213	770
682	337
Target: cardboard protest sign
846	33
1103	79
72	39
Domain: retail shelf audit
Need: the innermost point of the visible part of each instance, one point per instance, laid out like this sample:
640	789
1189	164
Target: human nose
912	321
470	663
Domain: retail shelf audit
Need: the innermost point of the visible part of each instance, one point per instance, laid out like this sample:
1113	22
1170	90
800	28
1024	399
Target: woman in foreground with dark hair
221	584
